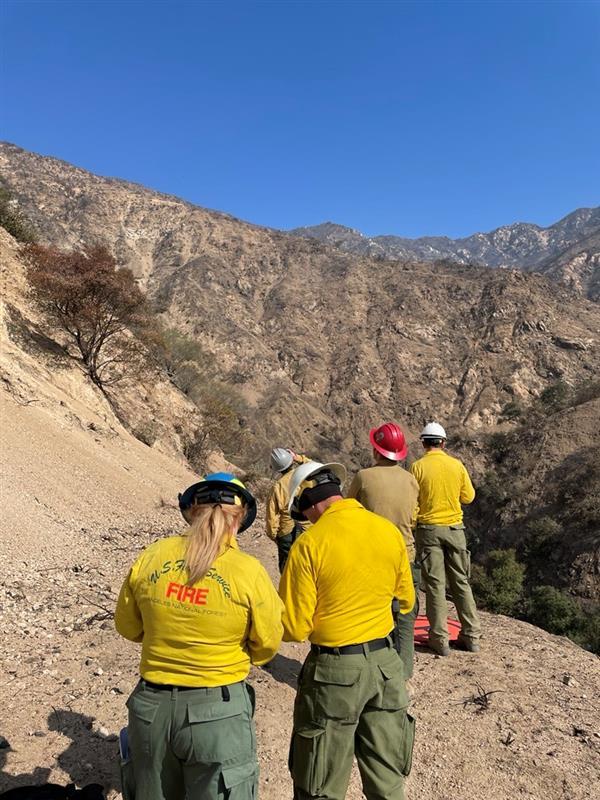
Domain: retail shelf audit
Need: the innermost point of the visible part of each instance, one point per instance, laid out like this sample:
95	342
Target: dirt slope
66	673
80	502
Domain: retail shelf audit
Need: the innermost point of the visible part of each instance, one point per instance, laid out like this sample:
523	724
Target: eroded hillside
323	344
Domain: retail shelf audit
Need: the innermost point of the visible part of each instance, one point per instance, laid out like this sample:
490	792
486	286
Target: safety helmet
281	459
433	430
309	475
388	439
219	487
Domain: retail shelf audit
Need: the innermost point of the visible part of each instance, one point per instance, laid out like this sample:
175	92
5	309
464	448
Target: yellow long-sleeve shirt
206	634
341	576
391	491
444	484
279	522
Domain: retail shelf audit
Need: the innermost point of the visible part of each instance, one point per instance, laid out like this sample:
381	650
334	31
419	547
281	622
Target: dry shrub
95	304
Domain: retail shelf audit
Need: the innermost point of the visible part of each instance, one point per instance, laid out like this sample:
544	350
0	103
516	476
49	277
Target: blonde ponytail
211	527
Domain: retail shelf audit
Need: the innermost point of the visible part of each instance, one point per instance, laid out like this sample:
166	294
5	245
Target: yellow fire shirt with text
207	634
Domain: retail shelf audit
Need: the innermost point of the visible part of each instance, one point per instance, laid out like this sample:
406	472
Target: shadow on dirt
284	670
38	776
91	757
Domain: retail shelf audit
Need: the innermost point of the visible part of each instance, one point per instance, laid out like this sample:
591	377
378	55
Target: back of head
433	435
313	482
217	507
388	441
281	459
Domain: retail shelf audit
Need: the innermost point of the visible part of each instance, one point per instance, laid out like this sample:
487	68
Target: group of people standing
204	611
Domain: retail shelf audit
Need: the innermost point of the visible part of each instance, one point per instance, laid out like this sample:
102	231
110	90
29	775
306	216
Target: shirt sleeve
272	513
354	490
128	618
467	492
298	591
415	516
264	635
405	590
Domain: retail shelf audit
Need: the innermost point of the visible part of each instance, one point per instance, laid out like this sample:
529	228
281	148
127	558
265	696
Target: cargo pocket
141	716
408	743
393	694
241	782
306	761
335	692
219	731
465	557
251	697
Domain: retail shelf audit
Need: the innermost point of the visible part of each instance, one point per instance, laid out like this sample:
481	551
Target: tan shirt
393	493
279	522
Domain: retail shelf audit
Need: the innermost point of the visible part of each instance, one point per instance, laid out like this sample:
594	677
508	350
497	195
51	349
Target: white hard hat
281	459
433	430
302	474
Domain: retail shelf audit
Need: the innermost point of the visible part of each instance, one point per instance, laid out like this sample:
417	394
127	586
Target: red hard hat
389	440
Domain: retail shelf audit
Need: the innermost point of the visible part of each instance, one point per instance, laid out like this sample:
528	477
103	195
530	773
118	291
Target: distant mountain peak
520	245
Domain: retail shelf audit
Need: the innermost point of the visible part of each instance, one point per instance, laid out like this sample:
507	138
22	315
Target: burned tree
96	304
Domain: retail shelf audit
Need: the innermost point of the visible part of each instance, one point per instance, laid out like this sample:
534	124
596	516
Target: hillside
81	497
316	345
322	343
520	246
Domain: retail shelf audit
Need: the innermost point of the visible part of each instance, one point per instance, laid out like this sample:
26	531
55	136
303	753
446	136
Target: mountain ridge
521	245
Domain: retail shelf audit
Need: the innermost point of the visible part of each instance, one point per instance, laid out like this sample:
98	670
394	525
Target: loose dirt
79	505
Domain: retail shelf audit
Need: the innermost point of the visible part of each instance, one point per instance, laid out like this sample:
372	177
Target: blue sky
407	118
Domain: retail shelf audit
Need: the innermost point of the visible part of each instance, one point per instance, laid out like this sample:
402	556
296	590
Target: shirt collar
341	505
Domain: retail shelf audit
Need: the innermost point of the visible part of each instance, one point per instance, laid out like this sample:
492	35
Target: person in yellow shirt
444	487
281	528
337	587
203	612
390	490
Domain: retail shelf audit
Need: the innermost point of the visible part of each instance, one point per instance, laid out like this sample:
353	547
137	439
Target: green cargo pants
442	553
405	627
351	705
197	743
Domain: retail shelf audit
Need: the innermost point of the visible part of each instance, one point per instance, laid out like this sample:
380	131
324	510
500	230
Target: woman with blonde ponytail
203	612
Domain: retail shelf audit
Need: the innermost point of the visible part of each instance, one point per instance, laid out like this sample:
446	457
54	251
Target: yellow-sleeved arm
414	516
467	492
128	619
354	490
266	630
273	511
404	591
298	591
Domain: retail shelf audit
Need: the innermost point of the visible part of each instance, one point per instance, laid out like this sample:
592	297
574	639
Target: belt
352	649
169	687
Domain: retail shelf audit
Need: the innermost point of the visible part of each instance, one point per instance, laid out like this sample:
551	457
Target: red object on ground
422	629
